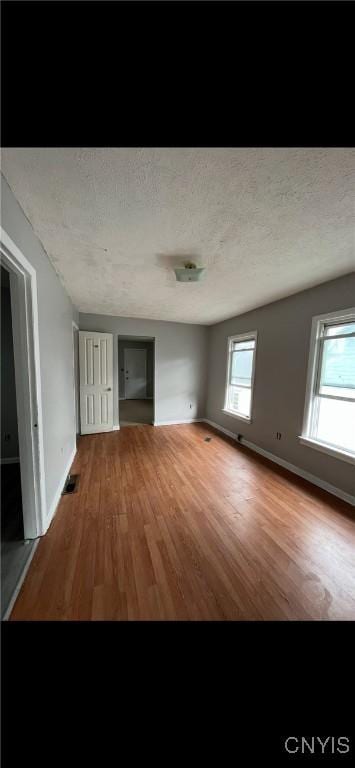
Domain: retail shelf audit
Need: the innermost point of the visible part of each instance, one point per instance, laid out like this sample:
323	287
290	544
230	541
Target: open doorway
136	380
14	550
23	496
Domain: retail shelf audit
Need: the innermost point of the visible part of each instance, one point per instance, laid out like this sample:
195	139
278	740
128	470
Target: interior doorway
76	377
136	380
23	492
15	550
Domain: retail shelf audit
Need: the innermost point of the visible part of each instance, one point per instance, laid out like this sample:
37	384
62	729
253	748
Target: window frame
251	336
313	383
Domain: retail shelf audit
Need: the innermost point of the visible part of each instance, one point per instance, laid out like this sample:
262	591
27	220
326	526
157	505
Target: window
329	422
240	375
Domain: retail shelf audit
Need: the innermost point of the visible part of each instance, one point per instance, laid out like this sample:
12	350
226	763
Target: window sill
237	415
324	448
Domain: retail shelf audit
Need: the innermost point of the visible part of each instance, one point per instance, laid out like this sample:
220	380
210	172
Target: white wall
180	363
55	315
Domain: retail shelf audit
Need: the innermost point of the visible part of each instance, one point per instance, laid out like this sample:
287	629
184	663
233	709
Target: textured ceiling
114	222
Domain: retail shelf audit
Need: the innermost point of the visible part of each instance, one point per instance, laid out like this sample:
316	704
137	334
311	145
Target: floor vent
208	439
71	484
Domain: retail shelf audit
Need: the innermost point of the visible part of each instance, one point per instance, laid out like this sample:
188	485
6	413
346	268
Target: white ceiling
114	222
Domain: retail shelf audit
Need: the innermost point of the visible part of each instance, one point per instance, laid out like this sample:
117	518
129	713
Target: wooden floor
168	526
136	412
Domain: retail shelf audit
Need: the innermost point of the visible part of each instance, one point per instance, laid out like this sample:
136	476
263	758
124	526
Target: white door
135	366
96	382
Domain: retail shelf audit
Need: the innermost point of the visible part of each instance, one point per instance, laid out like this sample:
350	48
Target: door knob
108	389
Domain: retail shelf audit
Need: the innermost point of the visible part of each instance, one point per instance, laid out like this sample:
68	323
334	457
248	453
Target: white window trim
306	438
240	337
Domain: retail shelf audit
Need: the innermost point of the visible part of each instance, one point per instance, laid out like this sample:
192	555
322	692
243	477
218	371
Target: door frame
133	337
143	349
76	383
25	328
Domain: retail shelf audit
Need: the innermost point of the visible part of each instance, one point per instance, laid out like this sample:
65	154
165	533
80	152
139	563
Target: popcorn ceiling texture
114	222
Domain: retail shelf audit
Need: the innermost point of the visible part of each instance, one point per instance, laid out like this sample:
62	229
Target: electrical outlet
278	435
190	405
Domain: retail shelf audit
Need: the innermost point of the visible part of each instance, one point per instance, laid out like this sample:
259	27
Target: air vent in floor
71	484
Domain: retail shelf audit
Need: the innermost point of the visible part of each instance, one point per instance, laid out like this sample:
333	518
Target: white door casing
135	367
25	326
75	328
96	382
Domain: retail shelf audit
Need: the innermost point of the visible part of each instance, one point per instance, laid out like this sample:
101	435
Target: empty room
178	384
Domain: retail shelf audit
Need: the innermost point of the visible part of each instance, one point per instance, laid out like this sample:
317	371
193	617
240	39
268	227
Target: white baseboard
183	421
221	429
20	581
287	465
58	493
11	460
96	431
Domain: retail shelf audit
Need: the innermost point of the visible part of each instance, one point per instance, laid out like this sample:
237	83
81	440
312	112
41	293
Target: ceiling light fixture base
189	273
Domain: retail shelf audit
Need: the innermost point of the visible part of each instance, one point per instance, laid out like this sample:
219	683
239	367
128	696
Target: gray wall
126	344
55	314
284	329
180	362
9	448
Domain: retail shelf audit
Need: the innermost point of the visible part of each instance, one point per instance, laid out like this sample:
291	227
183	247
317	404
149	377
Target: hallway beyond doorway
134	412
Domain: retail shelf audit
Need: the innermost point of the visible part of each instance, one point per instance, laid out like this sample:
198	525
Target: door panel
135	373
96	381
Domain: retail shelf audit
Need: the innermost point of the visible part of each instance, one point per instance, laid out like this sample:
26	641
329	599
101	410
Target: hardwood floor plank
166	526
